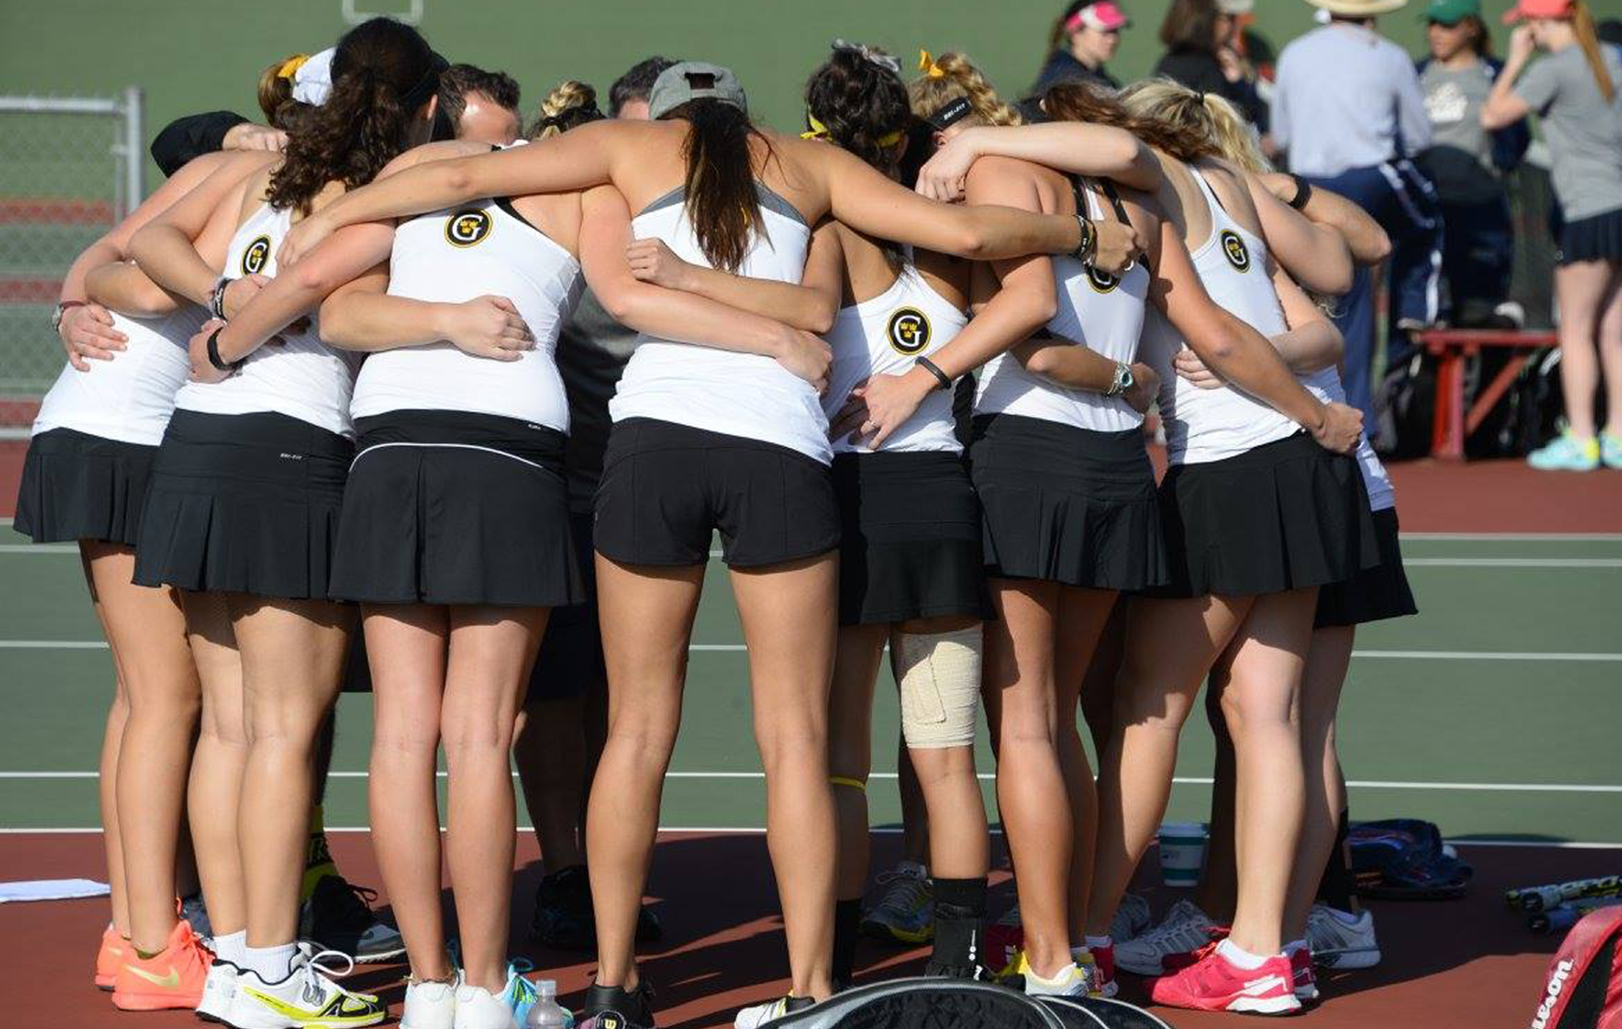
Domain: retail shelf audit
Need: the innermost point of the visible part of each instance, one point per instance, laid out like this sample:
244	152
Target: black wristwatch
214	353
1123	381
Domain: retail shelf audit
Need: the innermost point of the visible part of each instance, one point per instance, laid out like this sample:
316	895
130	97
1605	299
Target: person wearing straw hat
1349	111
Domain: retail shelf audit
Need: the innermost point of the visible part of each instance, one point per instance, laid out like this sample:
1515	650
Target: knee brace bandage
939	679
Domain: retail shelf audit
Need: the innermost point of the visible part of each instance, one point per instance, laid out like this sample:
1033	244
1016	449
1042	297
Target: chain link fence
70	168
1531	200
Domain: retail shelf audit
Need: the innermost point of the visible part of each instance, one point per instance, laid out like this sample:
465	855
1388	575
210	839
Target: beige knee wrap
939	678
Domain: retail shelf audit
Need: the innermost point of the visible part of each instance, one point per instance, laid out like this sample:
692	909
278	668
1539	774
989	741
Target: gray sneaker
1337	943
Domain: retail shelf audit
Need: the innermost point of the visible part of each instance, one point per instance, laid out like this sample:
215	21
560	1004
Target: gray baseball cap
694	80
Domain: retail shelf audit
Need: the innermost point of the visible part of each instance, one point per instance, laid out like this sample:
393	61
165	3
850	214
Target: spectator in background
1466	162
1200	54
1349	111
1084	37
479	105
1576	92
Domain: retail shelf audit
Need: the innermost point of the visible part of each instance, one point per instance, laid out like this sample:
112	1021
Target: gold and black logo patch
254	258
467	228
1102	282
908	331
1235	249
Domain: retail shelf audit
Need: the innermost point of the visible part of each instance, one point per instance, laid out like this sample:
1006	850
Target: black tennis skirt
76	486
1286	515
452	507
909	542
1598	238
1067	505
244	503
1373	594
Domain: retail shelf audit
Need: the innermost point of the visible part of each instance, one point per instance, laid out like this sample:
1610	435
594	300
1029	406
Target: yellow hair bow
816	130
291	66
927	65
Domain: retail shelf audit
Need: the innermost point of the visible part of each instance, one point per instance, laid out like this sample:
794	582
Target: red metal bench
1451	347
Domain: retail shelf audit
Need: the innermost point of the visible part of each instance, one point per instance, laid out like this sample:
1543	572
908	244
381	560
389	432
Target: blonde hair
1204	115
953	75
569	104
1582	26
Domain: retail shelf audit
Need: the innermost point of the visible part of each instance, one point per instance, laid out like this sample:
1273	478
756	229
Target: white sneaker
756	1015
1336	943
218	989
1069	981
478	1008
1184	930
1132	917
430	1005
306	999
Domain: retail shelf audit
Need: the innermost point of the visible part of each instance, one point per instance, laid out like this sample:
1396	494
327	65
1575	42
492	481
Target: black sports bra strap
1115	200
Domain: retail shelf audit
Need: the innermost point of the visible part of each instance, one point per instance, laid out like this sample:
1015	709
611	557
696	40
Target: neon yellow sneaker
306	999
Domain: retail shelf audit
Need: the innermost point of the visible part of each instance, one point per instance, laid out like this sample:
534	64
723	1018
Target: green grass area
1429	724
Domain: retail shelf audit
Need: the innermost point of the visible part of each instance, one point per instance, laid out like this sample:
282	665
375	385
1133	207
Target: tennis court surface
1494	713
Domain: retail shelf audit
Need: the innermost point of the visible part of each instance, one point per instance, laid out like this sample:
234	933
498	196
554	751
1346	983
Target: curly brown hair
382	74
1079	101
276	96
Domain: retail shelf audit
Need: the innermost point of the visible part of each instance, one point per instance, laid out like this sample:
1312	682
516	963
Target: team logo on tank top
1234	249
256	255
467	228
908	331
1102	282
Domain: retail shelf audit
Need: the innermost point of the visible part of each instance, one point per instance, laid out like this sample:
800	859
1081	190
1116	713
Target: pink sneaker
1216	984
1303	979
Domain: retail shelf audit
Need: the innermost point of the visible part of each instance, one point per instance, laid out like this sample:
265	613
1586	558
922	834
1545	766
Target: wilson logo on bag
1584	986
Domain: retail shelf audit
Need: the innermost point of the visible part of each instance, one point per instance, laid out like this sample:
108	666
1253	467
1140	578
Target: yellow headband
291	66
818	130
927	65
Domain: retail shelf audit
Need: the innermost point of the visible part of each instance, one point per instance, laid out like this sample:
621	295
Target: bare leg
1581	289
1083	615
850	747
406	646
148	630
112	737
550	752
292	657
647	619
1610	350
1170	645
492	652
1261	708
1328	660
1219	882
215	789
788	613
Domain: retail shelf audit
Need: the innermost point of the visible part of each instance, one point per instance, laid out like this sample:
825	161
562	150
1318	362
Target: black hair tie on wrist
934	369
214	357
1303	193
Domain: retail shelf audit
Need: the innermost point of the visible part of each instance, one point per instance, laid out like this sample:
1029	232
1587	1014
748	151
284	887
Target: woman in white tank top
1371	595
84	480
243	511
1253	598
646	611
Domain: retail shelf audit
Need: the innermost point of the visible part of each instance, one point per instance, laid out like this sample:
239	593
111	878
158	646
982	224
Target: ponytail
953	75
1582	25
1195	118
722	204
1062	24
569	104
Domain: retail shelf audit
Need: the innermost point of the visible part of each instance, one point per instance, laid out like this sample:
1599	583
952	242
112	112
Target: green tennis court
1492	713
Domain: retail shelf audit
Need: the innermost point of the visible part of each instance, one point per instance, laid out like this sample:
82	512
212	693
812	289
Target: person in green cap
1466	162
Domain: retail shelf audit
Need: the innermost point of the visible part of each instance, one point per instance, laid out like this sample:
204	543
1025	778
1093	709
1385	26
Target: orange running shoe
108	957
171	979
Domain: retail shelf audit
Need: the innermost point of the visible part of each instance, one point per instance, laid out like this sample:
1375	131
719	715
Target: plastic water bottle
547	1013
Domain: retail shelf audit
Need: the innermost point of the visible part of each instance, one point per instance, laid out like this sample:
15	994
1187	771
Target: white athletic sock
1237	955
232	947
1095	942
1293	946
272	964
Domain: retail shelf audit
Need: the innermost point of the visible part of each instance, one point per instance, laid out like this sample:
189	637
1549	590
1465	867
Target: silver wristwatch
1123	380
60	311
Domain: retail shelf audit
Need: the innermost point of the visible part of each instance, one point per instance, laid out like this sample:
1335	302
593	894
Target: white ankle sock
271	964
1095	942
232	947
1239	956
1293	946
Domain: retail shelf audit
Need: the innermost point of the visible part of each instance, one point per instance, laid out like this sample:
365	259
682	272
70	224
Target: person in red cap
1084	37
1576	92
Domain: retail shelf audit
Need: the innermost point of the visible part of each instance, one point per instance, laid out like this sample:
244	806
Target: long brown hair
382	74
720	182
1190	25
1582	25
1079	101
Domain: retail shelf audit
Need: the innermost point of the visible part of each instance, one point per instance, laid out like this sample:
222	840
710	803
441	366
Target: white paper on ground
52	889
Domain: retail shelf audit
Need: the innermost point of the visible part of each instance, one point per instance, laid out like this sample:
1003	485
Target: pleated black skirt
451	507
243	503
1286	515
1066	504
76	486
909	542
1373	594
1598	238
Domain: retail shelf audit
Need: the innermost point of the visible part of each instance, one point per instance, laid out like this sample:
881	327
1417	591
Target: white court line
882	830
1535	537
1512	562
1372	784
1415	655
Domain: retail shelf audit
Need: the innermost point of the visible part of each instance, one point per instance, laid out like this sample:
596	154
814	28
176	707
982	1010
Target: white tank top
302	377
130	397
1212	424
452	256
745	395
1095	310
885	336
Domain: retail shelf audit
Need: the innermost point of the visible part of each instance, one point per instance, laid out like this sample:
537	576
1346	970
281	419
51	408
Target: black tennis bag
935	1003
